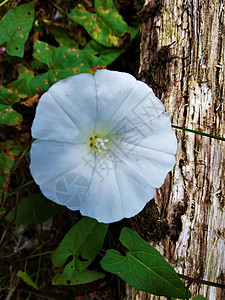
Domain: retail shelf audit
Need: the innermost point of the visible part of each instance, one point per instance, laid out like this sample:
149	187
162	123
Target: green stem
200	281
20	159
4	2
39	254
200	132
43	294
20	188
59	8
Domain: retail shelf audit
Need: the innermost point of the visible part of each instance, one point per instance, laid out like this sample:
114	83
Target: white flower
103	144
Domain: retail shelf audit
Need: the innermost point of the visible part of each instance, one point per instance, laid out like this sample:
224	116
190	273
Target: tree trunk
182	59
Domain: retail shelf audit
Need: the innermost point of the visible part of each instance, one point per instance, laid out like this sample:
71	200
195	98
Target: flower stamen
97	143
100	144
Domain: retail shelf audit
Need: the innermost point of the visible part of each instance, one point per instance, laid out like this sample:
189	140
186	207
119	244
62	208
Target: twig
20	187
200	132
3	2
200	281
43	294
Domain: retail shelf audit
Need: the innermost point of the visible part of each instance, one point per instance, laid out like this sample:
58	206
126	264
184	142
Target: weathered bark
182	58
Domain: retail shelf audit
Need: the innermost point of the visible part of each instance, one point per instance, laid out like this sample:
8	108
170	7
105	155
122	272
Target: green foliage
62	62
106	26
21	86
35	209
83	277
82	243
144	268
44	53
26	278
9	151
63	38
8	116
7	96
199	298
106	55
15	27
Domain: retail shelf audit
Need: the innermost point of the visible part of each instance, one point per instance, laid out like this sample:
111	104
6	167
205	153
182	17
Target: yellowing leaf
106	26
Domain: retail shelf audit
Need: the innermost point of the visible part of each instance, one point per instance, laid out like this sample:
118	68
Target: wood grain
182	59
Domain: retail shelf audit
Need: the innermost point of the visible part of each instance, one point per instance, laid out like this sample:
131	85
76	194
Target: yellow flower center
96	143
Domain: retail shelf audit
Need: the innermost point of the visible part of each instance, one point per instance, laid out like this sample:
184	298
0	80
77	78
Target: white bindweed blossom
103	144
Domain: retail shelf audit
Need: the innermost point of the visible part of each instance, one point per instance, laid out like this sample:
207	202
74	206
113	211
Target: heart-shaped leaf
82	242
144	268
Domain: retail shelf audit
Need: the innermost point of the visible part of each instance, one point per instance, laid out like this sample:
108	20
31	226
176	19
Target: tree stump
182	59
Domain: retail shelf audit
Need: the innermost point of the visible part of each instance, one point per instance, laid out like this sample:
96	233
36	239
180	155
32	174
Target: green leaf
106	55
15	27
35	64
10	117
16	90
82	243
62	62
144	268
106	26
26	278
44	52
21	86
84	277
35	209
199	297
63	38
9	150
75	61
7	96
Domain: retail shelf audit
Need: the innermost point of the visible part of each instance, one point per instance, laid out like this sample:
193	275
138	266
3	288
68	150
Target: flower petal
112	89
70	189
76	95
152	156
140	107
50	160
52	123
121	96
157	135
116	192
